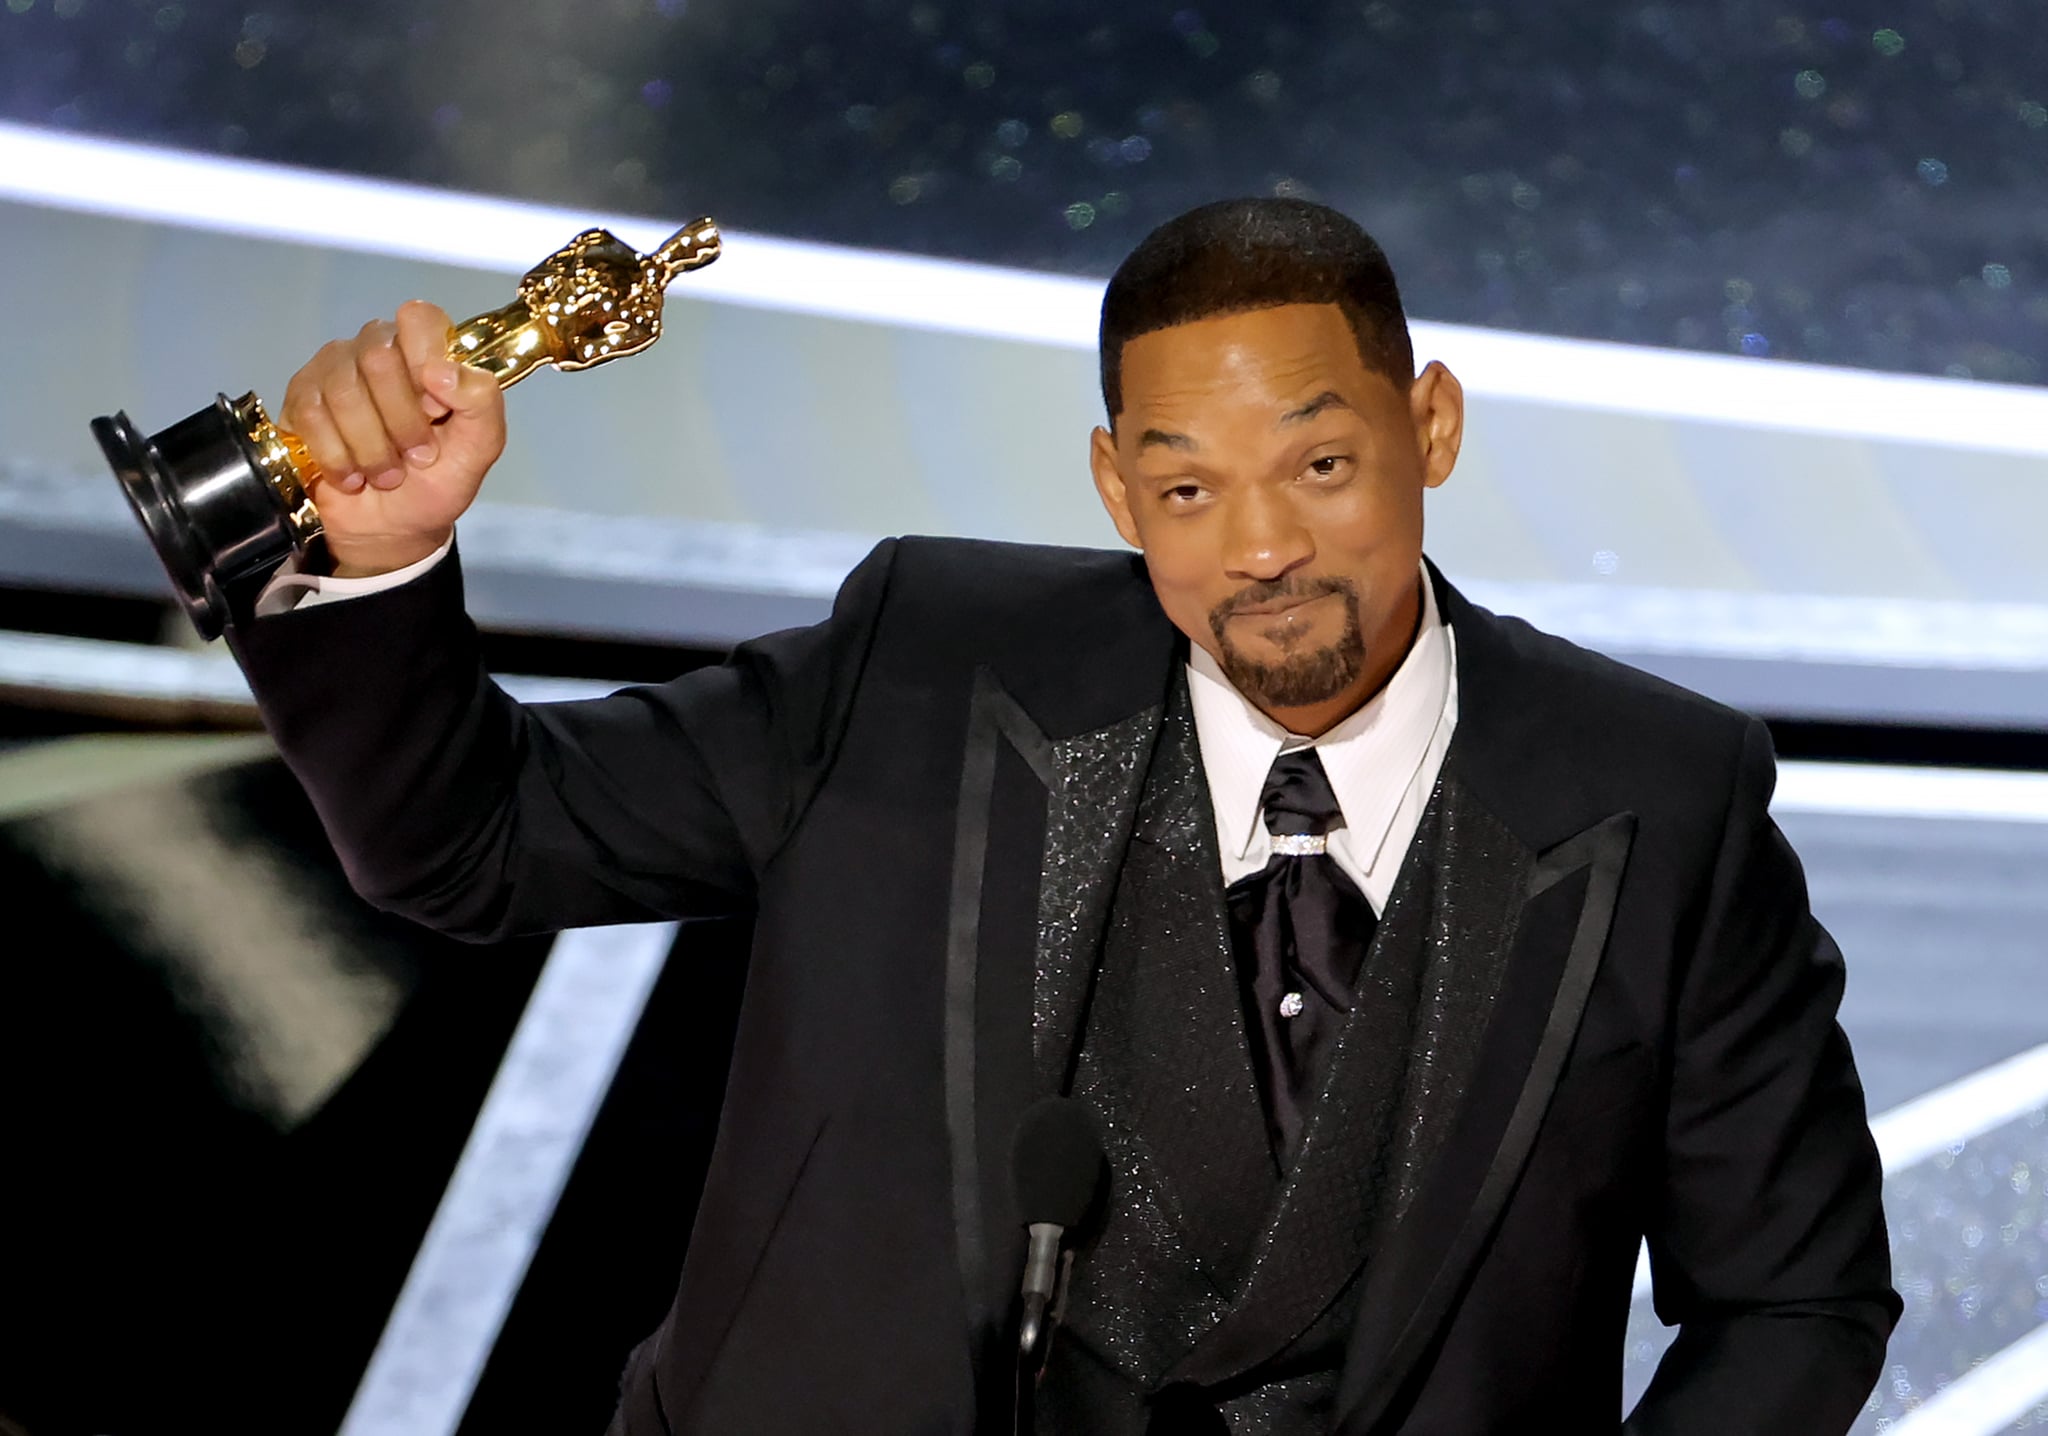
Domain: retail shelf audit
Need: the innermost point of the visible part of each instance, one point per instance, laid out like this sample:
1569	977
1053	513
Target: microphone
1060	1174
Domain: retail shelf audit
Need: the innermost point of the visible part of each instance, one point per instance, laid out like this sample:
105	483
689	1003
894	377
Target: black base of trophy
201	494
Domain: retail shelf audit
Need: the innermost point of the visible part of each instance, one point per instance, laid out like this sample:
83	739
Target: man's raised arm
448	801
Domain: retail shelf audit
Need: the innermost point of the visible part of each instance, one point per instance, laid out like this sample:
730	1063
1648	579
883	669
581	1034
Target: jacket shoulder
1578	734
993	571
1608	683
994	598
1074	634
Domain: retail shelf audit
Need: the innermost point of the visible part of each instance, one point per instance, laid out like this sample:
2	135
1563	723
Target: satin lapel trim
994	717
1428	1263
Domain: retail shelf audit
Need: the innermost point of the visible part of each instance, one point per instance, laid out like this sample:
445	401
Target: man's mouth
1278	605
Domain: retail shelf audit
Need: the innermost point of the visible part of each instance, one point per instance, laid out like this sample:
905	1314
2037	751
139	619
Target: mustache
1286	589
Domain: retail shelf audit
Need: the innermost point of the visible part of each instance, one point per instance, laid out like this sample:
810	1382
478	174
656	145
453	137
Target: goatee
1296	680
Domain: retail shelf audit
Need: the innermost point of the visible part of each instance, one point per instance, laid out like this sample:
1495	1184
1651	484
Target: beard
1298	679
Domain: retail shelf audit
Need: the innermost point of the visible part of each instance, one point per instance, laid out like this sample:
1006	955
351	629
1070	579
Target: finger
392	389
467	391
423	338
304	413
324	443
474	392
346	393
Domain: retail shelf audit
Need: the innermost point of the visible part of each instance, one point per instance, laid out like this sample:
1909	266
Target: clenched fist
403	437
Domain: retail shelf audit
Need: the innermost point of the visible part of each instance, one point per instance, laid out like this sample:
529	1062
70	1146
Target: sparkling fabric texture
1088	816
1203	1239
1164	1063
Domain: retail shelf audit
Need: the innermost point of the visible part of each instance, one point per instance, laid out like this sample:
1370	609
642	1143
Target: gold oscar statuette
222	494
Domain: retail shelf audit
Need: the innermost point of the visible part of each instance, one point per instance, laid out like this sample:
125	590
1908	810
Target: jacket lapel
1051	765
1566	906
998	830
1552	948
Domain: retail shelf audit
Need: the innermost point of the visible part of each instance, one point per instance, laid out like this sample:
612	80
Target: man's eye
1183	493
1327	465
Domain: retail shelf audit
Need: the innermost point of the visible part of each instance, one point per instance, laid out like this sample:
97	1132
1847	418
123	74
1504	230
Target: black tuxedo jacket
1661	1055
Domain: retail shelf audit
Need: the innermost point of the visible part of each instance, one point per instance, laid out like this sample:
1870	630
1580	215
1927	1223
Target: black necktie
1300	928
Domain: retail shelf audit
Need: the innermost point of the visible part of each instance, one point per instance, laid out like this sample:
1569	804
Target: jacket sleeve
1767	1241
454	805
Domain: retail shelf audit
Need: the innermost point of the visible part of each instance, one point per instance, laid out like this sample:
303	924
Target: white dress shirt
290	590
1382	761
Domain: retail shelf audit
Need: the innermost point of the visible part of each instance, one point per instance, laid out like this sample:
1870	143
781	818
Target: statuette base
209	496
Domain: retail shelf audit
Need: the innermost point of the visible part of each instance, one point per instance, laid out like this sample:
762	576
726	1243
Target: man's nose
1265	538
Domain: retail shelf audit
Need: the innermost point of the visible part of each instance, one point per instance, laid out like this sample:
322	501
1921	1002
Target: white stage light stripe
119	670
277	202
1758	394
1897	792
1963	1110
556	1071
553	690
1942	633
1989	1398
1942	1120
97	667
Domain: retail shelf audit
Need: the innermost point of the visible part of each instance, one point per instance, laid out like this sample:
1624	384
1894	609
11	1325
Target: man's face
1275	485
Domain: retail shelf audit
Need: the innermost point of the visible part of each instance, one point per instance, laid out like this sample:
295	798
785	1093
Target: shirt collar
1371	757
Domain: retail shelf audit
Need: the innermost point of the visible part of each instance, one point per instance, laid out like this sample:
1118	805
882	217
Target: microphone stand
1061	1174
1038	1320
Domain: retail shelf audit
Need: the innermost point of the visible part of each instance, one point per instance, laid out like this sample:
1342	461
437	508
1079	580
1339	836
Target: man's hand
403	437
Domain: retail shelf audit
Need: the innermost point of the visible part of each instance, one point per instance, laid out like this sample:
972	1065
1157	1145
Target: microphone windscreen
1058	1163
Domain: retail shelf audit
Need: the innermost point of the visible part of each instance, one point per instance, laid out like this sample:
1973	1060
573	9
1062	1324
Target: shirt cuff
290	590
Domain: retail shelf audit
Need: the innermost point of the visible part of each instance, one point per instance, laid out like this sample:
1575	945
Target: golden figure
594	299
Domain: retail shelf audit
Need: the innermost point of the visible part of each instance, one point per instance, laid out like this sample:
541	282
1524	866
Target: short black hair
1243	254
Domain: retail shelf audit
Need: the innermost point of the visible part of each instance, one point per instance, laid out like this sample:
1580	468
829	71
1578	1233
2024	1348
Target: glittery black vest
1207	1258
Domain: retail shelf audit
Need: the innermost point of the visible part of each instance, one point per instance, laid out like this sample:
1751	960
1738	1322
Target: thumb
465	390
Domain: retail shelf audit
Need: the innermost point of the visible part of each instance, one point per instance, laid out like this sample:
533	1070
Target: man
1415	964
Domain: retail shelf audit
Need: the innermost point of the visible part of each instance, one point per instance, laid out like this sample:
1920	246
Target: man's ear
1436	402
1109	485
